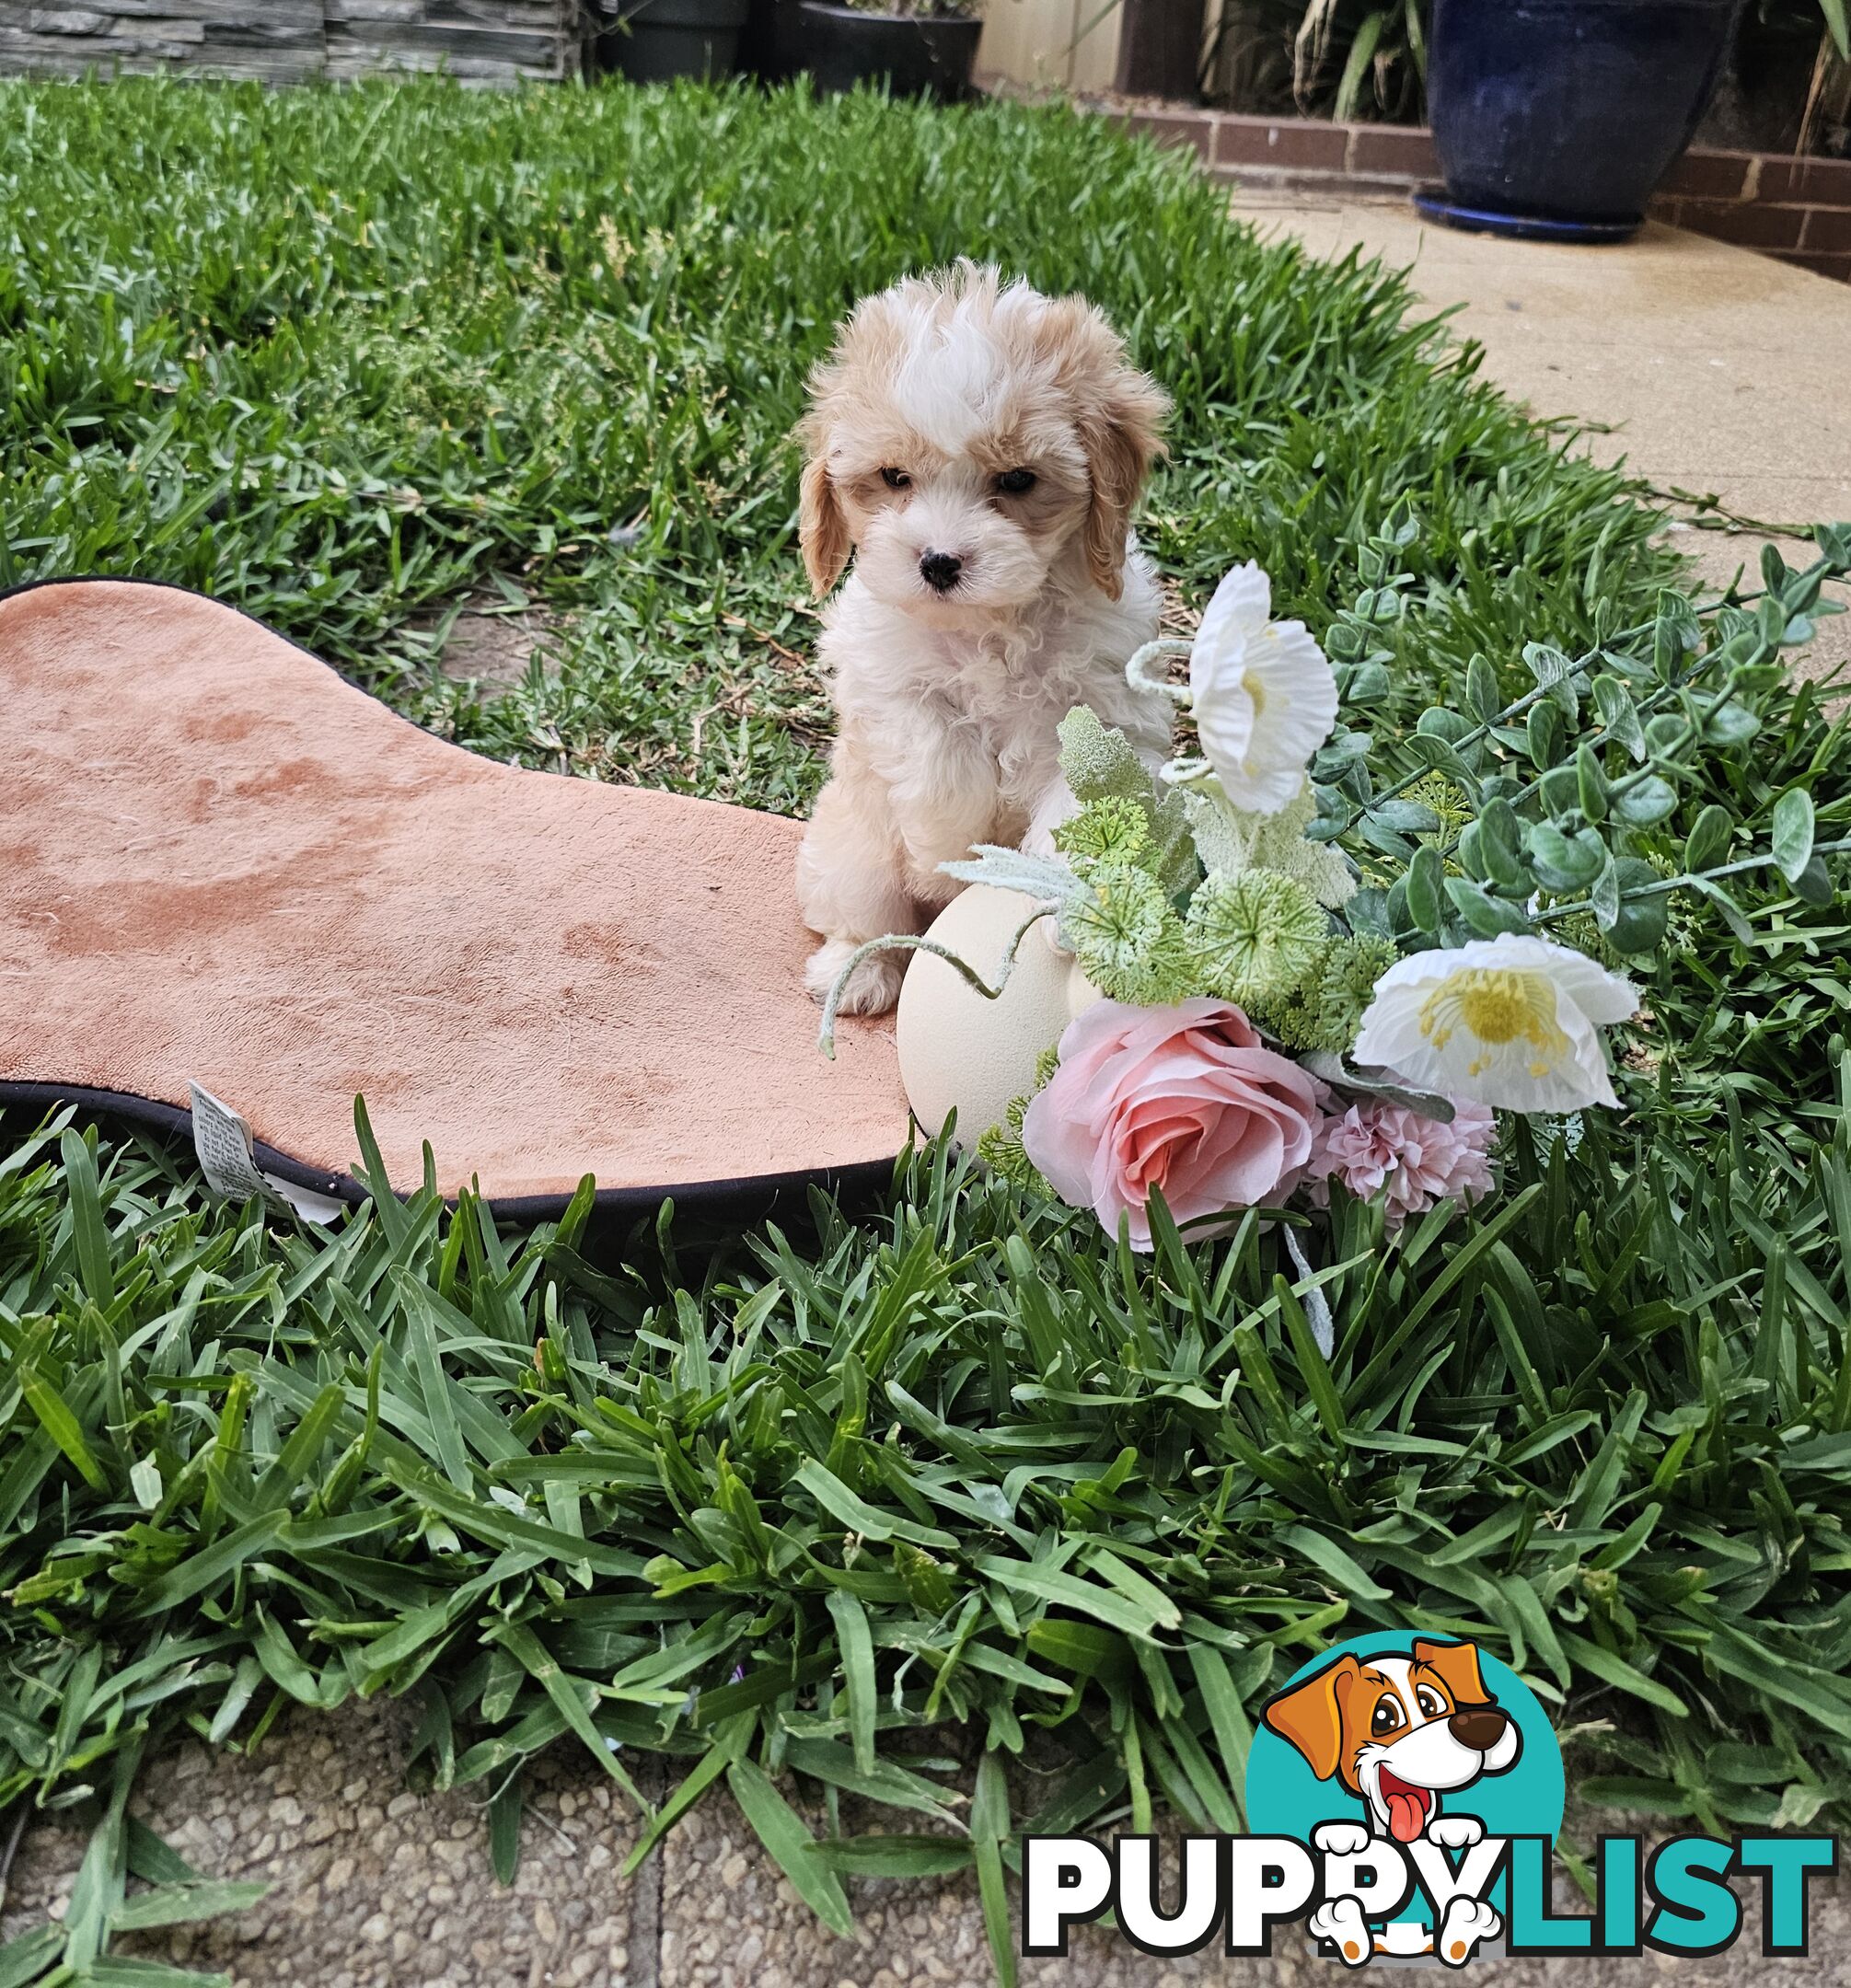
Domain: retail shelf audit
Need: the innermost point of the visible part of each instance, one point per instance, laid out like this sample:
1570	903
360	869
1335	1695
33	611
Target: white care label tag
223	1141
228	1157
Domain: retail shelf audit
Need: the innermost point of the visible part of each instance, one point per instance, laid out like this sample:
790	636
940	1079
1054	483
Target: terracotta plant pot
961	1052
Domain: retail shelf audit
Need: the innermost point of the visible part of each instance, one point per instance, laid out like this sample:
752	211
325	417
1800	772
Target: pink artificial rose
1182	1099
1420	1161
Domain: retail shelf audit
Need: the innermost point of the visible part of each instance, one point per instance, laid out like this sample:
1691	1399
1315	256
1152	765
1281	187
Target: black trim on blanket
855	1183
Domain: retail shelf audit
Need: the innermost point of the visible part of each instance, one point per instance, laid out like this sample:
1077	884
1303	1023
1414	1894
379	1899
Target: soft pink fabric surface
220	861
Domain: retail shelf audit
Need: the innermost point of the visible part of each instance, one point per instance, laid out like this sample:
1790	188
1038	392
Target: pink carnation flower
1420	1161
1181	1099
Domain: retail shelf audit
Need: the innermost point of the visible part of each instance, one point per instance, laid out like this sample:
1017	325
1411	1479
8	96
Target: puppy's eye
1430	1703
895	478
1386	1717
1014	482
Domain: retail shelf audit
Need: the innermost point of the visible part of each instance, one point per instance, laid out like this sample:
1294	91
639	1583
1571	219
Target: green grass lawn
962	1480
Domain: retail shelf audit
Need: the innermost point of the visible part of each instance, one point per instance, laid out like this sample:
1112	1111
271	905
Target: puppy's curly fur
978	448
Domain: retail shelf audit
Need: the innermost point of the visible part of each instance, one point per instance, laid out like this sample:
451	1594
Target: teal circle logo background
1285	1798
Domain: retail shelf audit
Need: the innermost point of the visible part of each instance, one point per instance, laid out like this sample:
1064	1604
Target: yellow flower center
1250	683
1495	1006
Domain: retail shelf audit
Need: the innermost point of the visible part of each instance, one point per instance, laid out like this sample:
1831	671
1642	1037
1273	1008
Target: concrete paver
730	1920
376	1886
1711	371
1716	369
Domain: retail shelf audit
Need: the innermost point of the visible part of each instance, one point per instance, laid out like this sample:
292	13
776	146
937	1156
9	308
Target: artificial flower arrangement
1304	977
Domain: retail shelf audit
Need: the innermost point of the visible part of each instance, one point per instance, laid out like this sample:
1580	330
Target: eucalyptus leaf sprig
1364	679
1540	825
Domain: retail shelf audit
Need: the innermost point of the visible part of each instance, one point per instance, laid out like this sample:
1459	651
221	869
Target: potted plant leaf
914	48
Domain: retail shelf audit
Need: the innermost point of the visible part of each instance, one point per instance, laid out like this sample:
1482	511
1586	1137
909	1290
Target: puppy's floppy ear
1121	440
822	529
1457	1664
1119	413
1310	1714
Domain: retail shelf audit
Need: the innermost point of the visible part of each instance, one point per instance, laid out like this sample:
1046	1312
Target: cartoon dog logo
1400	1733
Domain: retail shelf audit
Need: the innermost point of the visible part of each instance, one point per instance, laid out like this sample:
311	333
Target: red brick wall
1797	209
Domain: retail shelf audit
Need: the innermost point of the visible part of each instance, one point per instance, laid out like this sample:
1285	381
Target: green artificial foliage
1173	857
1326	1009
1127	936
1100	767
1230	839
1114	829
1256	938
1099	763
1000	1148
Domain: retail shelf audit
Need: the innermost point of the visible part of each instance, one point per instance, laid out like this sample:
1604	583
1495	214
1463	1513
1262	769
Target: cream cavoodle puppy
978	448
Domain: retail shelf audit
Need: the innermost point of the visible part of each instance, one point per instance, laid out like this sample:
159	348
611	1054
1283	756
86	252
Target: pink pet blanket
220	864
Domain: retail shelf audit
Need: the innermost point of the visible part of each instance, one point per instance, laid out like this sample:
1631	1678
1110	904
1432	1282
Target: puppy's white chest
979	689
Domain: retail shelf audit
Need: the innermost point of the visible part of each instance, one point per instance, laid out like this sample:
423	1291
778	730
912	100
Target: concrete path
1713	372
377	1887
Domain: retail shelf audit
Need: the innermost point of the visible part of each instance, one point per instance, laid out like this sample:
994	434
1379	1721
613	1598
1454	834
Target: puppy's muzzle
1480	1727
940	569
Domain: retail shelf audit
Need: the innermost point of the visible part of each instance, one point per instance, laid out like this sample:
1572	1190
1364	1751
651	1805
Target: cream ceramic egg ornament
960	1051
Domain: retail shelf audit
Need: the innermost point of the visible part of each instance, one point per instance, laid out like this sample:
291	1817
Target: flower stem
918	942
1153	651
1689	880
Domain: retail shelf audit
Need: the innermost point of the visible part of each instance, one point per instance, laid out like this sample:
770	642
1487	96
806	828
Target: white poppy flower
1512	1021
1263	694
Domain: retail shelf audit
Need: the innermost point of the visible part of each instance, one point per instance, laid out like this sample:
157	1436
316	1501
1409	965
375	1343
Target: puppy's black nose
940	571
1478	1726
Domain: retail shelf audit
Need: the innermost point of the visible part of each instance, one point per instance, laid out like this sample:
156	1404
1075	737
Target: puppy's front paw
1455	1831
1467	1922
1339	1923
874	987
1340	1839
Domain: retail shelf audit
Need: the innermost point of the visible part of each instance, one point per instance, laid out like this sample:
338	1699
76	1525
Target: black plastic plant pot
914	55
1559	116
762	40
657	41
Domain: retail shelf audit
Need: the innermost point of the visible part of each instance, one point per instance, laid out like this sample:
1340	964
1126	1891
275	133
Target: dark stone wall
295	41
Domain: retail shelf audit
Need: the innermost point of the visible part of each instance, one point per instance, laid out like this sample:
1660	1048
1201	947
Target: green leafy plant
1359	58
1569	791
